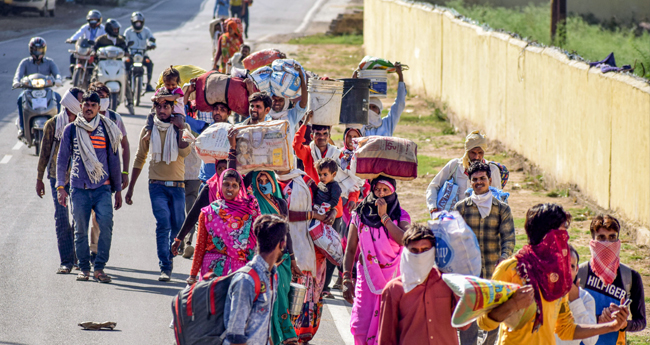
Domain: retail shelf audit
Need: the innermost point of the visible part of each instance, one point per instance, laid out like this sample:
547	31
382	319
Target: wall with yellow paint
581	126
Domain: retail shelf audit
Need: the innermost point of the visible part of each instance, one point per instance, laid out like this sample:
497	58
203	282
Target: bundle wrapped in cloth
479	296
262	78
389	156
262	58
264	146
371	62
285	79
457	249
214	87
212	144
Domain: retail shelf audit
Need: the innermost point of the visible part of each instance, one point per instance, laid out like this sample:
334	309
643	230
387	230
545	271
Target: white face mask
416	267
104	103
374	119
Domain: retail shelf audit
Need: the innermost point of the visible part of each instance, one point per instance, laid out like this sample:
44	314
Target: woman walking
376	228
225	242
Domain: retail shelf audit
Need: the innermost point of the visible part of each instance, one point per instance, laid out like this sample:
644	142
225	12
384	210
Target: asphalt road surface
39	307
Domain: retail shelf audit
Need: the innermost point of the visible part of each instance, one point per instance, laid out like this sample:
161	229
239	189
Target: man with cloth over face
475	147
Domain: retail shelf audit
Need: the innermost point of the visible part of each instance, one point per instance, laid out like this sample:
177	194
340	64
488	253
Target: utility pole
558	18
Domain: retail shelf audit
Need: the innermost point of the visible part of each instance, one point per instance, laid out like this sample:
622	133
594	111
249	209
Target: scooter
136	74
111	71
84	62
39	105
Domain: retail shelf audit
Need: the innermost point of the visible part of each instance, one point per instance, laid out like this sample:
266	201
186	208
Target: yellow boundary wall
578	124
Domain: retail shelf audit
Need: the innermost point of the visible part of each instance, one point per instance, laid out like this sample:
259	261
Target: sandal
327	294
101	277
63	270
83	276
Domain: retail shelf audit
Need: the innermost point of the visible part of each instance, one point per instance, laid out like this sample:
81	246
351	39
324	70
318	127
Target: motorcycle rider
140	35
90	31
35	63
112	37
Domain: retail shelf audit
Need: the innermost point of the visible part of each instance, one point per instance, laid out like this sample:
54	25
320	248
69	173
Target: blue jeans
83	201
20	107
64	230
168	206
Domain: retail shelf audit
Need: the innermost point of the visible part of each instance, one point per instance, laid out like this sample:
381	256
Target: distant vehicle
84	62
43	7
39	105
111	71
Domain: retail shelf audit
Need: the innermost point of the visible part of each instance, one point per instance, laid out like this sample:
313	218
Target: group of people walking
261	221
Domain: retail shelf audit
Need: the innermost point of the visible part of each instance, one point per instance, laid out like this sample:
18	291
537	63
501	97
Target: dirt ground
67	15
425	122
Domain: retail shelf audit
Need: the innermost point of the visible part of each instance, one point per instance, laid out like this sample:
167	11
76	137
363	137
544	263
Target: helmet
37	47
94	18
137	21
112	27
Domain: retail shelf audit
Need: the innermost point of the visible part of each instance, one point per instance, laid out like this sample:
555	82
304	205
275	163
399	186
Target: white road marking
309	16
17	146
341	318
5	159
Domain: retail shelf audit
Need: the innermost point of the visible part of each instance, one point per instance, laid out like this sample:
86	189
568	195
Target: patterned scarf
266	201
547	267
242	205
605	259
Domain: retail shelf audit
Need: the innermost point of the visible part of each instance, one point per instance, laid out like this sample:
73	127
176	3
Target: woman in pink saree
376	230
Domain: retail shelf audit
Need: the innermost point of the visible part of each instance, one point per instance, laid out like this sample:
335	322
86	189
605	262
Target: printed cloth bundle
325	238
457	249
262	58
212	144
264	146
389	156
479	296
371	62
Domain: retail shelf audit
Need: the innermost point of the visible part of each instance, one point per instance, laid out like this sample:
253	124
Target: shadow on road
146	285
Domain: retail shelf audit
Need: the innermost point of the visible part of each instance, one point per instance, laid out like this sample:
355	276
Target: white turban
376	101
70	102
474	139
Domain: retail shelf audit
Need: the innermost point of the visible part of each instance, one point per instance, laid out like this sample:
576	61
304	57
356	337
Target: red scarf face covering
547	268
605	259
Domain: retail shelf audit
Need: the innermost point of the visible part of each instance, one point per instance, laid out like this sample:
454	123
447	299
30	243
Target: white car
41	6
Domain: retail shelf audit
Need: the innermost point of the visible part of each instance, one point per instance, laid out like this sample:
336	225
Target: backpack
199	310
505	173
626	276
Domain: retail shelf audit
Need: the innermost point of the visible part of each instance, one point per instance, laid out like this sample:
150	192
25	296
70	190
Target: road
39	307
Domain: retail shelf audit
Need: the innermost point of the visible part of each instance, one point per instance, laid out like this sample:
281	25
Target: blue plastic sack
497	193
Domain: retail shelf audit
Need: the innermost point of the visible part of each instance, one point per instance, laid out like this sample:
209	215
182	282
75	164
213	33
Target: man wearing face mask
456	169
416	307
492	223
610	282
385	126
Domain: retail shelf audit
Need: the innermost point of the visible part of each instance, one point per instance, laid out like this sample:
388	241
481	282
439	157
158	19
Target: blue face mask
266	188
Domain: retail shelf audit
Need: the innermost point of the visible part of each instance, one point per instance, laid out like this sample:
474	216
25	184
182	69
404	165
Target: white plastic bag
212	144
457	250
264	146
285	79
262	78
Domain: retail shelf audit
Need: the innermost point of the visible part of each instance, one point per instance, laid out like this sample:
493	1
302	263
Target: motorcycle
137	71
111	71
39	105
84	65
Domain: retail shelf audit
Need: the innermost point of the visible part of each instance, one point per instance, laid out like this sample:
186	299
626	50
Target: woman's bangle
60	187
346	275
176	240
125	172
345	281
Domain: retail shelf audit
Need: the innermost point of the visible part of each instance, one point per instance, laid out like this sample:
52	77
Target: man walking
166	177
91	145
456	169
492	223
52	133
247	318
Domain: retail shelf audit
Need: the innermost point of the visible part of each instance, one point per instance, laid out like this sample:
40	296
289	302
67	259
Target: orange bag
262	58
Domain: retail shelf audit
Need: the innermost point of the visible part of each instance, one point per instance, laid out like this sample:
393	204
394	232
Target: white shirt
584	313
460	178
140	39
87	32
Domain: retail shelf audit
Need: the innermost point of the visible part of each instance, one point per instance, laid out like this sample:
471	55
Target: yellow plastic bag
187	72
